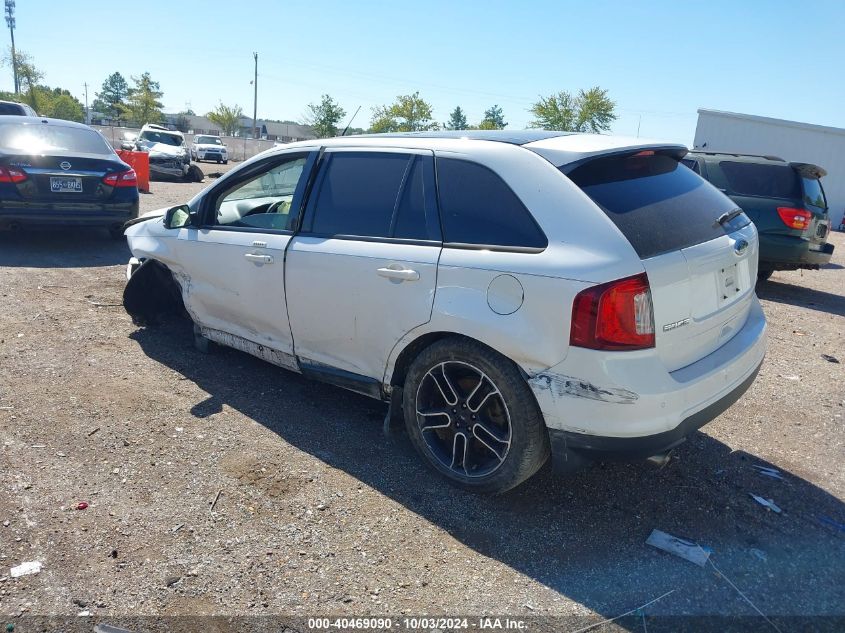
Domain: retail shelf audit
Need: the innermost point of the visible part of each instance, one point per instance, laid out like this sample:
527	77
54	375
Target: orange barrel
140	162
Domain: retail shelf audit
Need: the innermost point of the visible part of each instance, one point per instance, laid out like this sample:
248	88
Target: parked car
56	173
785	201
14	108
511	294
169	154
207	147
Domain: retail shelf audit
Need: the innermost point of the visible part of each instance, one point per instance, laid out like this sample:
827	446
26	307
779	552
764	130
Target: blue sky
660	61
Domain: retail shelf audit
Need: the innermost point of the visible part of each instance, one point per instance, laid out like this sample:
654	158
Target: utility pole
254	98
10	22
87	111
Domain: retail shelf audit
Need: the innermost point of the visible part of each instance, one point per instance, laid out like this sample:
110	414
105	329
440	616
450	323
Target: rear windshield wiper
727	217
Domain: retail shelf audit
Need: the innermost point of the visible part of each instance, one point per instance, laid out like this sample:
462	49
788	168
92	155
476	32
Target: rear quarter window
767	181
478	207
657	203
813	193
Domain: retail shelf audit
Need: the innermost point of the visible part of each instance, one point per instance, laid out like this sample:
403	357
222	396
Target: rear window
813	193
38	138
12	108
768	181
657	203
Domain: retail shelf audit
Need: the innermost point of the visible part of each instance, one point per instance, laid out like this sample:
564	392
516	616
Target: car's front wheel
472	416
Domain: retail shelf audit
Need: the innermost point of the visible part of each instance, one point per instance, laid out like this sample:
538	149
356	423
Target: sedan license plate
67	184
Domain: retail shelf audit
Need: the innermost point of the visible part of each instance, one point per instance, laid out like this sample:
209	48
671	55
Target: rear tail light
614	316
12	174
795	218
122	179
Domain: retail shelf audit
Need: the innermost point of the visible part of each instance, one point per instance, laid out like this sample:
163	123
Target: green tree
324	117
227	117
409	113
457	120
59	104
28	75
493	119
111	100
143	101
589	111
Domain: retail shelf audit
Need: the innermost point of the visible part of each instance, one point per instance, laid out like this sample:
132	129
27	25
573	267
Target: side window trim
208	206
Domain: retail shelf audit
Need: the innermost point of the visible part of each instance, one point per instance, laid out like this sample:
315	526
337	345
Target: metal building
719	131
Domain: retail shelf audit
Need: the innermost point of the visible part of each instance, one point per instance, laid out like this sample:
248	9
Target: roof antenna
350	121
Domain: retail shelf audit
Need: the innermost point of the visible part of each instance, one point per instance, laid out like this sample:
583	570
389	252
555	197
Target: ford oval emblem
740	247
64	165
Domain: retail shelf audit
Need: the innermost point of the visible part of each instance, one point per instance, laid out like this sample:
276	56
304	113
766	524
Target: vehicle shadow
582	536
68	247
802	297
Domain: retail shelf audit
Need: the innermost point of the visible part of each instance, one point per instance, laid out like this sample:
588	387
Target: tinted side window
658	204
770	181
372	194
11	108
478	207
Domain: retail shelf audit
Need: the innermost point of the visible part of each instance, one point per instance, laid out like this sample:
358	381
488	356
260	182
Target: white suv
511	294
207	147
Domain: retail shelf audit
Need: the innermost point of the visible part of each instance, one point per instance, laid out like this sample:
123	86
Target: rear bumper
57	216
597	447
780	252
627	403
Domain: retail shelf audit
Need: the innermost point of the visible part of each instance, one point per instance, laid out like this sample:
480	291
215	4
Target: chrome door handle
405	274
259	259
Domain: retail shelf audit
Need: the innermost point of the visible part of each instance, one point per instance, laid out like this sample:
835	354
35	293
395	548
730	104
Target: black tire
509	403
225	162
763	275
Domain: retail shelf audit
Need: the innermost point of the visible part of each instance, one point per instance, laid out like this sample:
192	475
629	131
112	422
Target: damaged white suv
511	294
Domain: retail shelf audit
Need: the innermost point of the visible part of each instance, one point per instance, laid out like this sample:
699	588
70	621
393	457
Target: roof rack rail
738	154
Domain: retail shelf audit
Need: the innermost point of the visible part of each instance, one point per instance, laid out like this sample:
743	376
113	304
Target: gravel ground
316	511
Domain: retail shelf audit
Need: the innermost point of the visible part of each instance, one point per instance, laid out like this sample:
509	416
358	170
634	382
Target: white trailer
824	146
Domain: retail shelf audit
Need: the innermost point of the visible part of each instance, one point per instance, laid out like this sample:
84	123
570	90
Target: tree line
139	102
587	111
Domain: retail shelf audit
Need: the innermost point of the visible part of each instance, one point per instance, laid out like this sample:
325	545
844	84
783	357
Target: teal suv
785	201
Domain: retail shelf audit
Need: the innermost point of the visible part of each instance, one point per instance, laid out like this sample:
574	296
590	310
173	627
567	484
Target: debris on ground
26	569
215	174
82	505
216	499
743	596
774	473
758	553
830	359
834	524
693	552
766	503
637	610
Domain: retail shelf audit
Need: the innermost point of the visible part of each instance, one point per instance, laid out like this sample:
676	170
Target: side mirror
127	146
178	217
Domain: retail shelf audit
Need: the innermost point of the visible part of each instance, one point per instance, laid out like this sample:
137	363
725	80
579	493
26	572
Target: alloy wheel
463	419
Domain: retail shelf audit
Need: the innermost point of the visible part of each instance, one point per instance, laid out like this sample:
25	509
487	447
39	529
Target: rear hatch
698	249
775	195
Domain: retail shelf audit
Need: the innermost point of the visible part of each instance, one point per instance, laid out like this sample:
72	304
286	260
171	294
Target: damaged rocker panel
561	385
274	356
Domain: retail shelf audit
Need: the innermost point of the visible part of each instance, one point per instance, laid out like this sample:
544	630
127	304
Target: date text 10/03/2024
422	623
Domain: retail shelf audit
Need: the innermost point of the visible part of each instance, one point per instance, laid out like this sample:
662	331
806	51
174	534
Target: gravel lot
319	513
